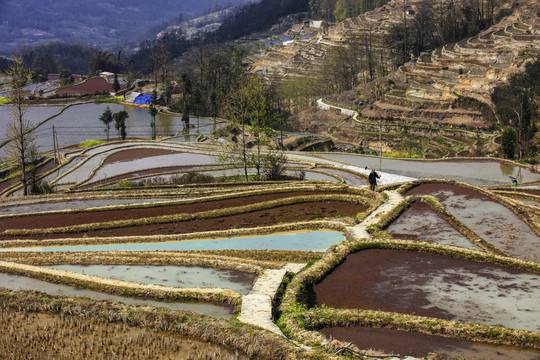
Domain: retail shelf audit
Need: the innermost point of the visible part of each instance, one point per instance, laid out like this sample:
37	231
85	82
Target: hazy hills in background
104	24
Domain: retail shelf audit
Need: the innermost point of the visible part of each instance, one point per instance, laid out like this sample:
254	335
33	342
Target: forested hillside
103	24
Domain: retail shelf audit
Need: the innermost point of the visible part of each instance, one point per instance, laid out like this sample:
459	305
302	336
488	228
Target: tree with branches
107	118
120	123
22	149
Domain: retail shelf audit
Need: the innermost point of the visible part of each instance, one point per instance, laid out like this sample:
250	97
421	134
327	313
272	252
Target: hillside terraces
436	84
308	53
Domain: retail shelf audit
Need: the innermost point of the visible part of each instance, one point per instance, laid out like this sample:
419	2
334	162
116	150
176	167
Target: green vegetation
518	107
90	143
113	99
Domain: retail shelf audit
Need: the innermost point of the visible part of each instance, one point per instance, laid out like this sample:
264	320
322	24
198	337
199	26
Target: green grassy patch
90	143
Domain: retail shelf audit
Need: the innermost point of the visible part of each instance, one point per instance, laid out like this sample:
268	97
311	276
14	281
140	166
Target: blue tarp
143	99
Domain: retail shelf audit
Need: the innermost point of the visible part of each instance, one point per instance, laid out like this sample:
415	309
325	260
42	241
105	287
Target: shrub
42	187
273	166
125	183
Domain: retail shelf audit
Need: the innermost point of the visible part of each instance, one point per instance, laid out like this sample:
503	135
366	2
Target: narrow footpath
257	305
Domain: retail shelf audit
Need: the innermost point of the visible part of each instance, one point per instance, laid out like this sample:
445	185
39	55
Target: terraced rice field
182	261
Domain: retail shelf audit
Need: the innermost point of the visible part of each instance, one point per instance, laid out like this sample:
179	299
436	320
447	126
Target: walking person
372	178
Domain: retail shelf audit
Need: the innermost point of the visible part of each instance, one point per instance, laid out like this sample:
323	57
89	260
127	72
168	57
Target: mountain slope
103	24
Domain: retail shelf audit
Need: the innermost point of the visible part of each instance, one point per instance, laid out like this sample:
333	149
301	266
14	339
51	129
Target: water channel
300	241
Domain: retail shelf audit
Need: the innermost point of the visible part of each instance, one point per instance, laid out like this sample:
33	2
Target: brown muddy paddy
491	221
283	214
176	276
420	223
435	286
43	336
16	282
77	218
389	341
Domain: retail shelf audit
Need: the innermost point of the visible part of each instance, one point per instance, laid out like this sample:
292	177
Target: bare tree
22	149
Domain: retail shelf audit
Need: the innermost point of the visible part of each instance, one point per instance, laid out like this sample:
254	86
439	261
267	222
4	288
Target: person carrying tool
372	178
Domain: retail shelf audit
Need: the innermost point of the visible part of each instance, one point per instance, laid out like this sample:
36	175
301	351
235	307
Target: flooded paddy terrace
495	223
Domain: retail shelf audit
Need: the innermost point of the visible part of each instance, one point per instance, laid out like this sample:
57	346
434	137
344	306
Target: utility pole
54	145
380	145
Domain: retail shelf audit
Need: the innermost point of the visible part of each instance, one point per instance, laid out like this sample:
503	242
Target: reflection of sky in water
309	241
179	159
428	226
493	297
75	204
494	223
477	172
176	276
81	122
15	282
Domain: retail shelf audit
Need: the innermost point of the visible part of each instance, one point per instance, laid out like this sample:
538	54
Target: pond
176	276
81	122
16	282
308	241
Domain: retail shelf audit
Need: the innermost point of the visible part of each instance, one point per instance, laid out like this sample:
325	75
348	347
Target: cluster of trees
437	23
208	71
518	109
251	110
339	10
257	16
119	119
53	57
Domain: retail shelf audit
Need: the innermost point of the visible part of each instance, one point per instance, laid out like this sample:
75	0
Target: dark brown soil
78	218
389	341
283	214
362	281
91	86
135	154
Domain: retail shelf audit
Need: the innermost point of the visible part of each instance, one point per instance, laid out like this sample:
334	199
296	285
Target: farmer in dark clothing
372	178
